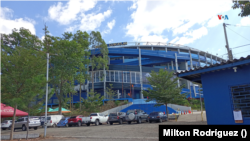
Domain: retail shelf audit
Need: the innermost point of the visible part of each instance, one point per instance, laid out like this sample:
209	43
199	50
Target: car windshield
93	114
153	114
112	114
130	111
73	117
48	118
6	121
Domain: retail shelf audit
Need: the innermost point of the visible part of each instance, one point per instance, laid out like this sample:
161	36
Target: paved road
124	132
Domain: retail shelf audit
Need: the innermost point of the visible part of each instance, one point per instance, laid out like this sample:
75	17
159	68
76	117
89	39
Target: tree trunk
167	109
28	123
13	123
80	100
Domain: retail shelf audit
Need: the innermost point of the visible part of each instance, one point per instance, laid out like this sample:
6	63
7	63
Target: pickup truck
136	115
95	118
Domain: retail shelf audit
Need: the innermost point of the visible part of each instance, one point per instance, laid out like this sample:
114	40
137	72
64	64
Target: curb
19	136
97	137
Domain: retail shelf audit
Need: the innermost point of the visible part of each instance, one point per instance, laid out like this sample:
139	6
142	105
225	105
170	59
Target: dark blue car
63	122
157	116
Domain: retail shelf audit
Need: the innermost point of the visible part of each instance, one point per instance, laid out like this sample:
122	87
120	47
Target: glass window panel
124	76
133	77
137	77
116	76
120	75
128	77
112	76
107	76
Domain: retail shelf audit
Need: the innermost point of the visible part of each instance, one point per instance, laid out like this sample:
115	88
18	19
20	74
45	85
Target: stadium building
130	63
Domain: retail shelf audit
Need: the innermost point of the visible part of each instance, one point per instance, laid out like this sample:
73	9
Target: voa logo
223	17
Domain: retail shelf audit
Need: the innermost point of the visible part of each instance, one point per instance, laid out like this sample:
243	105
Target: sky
191	23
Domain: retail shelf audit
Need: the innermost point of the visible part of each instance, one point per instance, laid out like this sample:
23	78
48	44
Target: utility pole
230	55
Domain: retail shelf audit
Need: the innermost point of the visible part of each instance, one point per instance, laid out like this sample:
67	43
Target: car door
18	124
143	115
101	117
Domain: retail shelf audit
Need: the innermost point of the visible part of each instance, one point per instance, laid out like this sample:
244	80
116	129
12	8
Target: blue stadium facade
130	64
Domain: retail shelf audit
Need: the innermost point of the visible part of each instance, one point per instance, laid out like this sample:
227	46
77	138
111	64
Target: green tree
23	69
165	88
110	92
93	102
82	39
64	65
244	6
97	61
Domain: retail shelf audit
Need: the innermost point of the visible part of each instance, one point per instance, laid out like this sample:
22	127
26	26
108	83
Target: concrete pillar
190	89
140	73
178	51
176	62
212	60
191	61
199	59
166	49
206	58
152	48
109	61
168	66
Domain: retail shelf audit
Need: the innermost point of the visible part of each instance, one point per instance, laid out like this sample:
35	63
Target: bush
125	102
117	102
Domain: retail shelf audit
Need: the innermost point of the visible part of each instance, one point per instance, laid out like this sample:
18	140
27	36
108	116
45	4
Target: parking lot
105	132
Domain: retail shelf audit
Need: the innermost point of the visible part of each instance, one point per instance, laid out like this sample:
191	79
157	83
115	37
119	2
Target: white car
21	123
95	118
52	120
6	124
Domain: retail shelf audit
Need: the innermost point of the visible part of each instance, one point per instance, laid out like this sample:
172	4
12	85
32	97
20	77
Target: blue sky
191	23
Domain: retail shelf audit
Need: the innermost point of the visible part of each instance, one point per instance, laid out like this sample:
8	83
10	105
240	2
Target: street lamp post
46	102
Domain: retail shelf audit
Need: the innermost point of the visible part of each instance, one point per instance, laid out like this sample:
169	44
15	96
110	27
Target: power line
241	46
241	52
238	25
238	34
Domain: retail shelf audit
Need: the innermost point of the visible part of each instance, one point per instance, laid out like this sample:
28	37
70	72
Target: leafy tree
23	69
165	88
82	39
93	102
244	6
98	61
64	65
110	92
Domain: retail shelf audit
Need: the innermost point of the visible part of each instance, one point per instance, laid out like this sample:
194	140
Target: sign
117	44
223	17
238	116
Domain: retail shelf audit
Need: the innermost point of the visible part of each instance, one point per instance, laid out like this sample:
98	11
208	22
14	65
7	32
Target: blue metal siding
217	95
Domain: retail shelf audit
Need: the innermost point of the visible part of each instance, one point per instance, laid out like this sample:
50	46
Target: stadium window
241	99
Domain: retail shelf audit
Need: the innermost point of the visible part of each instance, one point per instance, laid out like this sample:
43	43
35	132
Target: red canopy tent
7	111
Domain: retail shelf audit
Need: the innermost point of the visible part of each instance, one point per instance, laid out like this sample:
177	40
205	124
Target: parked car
63	122
6	124
75	120
157	116
118	117
52	120
136	115
21	123
95	118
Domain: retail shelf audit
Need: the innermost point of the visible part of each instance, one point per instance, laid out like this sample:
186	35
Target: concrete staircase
116	109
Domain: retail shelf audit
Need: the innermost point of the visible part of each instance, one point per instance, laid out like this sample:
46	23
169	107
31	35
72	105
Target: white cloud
153	38
245	21
155	17
133	6
109	27
110	41
174	40
7	23
92	21
69	12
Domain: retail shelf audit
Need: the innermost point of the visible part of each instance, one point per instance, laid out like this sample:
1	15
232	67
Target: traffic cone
189	111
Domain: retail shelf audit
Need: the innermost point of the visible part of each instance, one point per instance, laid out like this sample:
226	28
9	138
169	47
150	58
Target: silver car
6	124
22	123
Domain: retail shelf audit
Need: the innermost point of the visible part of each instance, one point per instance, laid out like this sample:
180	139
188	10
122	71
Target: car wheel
160	120
111	123
100	123
24	128
139	121
4	128
120	121
150	121
67	125
88	124
70	125
79	124
129	122
96	122
35	128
